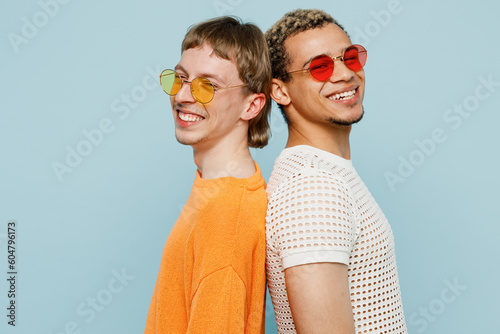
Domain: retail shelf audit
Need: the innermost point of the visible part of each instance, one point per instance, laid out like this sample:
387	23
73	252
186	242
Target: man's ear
256	104
279	92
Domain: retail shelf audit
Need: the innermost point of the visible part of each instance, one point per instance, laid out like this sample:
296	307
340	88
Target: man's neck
333	139
224	159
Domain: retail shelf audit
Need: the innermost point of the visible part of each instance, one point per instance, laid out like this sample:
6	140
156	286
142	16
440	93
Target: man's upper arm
319	298
219	304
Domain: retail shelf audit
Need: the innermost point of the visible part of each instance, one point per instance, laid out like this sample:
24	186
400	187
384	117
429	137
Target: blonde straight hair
245	44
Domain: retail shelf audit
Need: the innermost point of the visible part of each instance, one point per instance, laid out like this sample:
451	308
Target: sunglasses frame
333	62
192	90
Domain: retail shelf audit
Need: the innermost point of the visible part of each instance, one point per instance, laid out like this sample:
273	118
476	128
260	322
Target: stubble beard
344	122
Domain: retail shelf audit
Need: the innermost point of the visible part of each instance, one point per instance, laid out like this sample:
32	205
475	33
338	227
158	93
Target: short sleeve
311	219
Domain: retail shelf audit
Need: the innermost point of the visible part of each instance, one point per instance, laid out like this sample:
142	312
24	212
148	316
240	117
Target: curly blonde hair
291	24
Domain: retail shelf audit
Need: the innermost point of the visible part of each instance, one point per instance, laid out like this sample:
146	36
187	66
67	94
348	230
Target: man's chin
346	122
187	141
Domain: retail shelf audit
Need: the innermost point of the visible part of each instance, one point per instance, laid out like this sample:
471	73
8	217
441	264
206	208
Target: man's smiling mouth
189	117
343	96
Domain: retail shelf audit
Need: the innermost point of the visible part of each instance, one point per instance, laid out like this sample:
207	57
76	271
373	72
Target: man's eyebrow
206	75
180	68
213	76
327	54
309	61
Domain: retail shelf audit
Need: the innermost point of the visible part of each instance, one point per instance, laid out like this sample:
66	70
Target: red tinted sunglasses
321	67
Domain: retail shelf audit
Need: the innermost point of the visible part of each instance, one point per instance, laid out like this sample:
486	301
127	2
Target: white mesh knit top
320	211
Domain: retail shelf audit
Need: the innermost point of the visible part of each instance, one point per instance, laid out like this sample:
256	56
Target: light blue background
114	210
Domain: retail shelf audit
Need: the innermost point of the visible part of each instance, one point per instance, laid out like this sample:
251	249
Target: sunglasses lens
355	57
202	90
321	68
170	82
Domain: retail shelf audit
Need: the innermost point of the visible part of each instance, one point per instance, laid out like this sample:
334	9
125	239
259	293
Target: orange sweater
212	271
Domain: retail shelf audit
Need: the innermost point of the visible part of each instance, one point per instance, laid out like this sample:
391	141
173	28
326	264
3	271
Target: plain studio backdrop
92	176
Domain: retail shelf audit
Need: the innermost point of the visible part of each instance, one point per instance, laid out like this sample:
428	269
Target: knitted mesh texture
321	211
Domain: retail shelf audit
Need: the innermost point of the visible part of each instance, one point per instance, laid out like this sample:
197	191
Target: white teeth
343	95
189	117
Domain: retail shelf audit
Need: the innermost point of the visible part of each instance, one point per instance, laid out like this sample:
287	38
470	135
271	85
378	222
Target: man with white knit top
331	265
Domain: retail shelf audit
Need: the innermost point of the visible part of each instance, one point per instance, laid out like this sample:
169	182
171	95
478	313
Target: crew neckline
318	151
253	181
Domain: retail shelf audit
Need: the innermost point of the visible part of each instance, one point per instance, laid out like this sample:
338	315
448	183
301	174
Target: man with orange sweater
212	271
